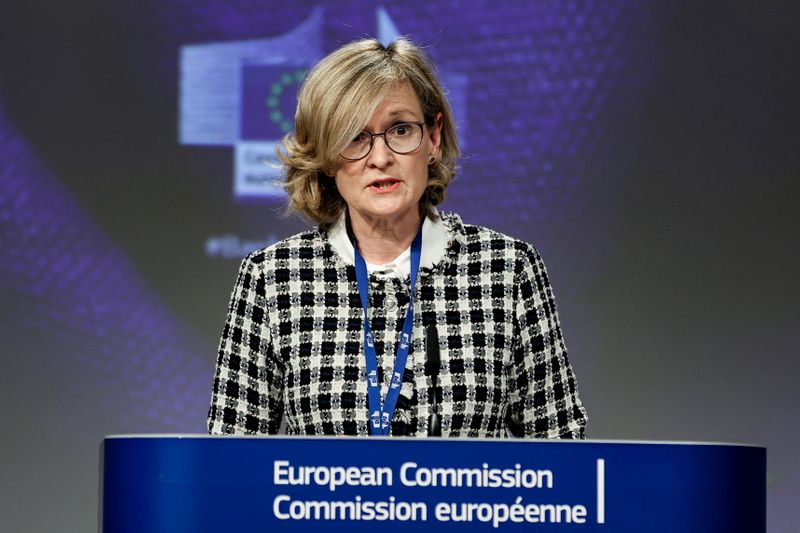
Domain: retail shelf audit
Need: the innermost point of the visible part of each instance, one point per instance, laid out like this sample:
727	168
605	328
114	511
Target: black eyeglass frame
372	136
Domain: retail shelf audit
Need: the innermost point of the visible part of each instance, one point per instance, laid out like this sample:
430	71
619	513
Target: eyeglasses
401	138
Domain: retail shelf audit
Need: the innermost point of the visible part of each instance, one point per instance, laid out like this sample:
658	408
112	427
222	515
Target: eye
401	130
361	138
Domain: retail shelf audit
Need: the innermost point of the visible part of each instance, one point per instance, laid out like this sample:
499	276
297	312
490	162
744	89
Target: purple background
648	149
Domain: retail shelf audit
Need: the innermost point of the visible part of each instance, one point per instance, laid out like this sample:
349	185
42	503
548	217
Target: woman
326	330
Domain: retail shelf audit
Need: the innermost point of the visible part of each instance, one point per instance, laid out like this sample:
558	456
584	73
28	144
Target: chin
391	212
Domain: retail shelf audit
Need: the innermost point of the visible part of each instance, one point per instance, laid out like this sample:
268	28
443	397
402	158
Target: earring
431	159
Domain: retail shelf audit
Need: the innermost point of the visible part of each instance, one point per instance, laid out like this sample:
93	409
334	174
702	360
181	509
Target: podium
201	484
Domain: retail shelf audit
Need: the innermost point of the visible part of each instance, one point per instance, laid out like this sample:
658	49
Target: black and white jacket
292	344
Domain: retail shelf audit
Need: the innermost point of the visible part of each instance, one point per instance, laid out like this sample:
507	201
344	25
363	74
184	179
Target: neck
381	240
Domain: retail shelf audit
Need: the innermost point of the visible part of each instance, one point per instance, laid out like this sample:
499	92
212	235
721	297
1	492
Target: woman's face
386	186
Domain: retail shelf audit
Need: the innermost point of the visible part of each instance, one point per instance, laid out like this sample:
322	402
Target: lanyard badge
381	413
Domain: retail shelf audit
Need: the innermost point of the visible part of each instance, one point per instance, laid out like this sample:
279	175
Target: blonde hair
337	99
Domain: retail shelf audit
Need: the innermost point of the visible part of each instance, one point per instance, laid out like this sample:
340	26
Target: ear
435	133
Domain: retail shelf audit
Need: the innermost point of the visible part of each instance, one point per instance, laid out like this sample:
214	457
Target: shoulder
304	245
482	242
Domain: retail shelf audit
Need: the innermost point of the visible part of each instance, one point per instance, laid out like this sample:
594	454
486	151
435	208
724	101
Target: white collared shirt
434	244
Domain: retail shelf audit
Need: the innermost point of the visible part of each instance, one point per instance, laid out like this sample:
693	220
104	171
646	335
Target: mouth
384	185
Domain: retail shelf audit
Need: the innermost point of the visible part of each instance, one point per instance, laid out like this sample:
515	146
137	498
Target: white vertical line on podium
601	491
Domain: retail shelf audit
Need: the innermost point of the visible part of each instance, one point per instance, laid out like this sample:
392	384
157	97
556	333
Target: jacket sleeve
247	396
544	401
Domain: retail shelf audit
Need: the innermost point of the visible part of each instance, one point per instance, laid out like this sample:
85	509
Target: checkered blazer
291	347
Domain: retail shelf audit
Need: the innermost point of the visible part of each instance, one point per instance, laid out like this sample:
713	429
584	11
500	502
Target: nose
381	155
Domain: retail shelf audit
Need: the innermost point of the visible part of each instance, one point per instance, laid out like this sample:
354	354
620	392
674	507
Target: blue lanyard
380	417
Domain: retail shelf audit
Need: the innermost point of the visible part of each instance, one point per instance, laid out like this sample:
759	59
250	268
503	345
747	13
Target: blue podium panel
214	484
